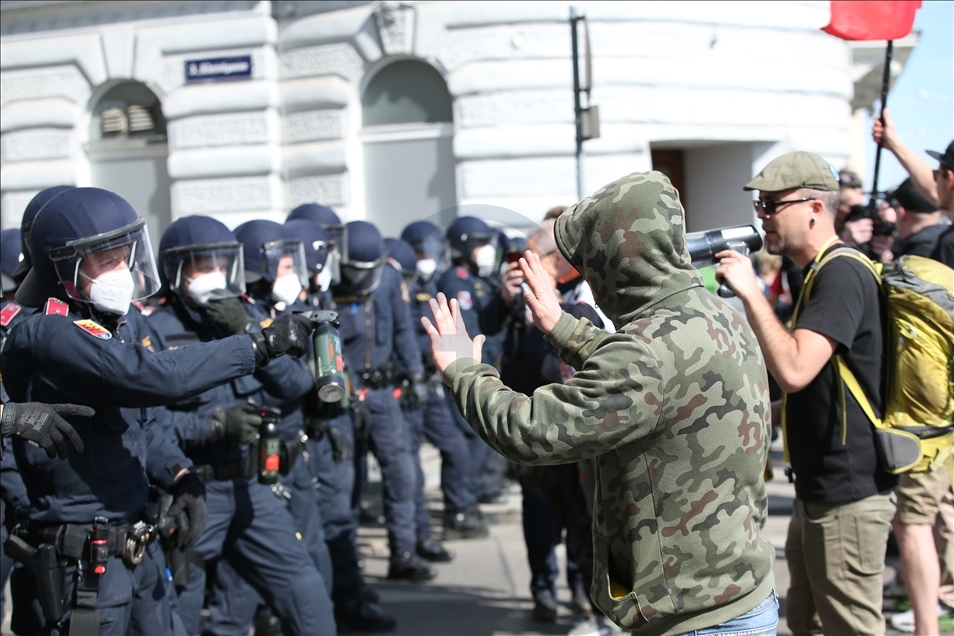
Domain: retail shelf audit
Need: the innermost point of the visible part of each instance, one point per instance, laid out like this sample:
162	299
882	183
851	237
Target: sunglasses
770	207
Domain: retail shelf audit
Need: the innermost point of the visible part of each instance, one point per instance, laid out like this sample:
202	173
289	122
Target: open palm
449	339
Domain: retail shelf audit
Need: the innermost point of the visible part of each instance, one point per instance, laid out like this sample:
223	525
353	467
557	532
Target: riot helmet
430	247
274	259
90	246
26	225
321	254
401	257
473	241
326	218
363	261
201	260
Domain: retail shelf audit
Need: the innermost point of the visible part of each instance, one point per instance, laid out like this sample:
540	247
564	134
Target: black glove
230	314
188	509
239	424
44	425
287	334
339	443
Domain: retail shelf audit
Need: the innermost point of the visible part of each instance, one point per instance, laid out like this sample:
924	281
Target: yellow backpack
916	433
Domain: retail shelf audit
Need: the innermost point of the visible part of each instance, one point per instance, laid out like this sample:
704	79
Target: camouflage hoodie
674	406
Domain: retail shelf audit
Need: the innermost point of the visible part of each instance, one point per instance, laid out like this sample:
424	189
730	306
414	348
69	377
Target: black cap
946	158
908	197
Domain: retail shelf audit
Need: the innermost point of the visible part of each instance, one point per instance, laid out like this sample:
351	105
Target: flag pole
885	80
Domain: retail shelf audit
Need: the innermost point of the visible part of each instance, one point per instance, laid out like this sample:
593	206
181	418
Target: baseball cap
796	170
908	197
946	158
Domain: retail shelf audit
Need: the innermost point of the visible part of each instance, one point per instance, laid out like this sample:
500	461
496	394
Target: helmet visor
181	265
286	256
81	261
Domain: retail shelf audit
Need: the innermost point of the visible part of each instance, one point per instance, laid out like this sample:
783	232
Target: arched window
408	131
127	111
128	152
406	92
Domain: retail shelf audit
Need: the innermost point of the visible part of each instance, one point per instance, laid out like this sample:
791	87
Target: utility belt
244	468
378	379
248	467
46	550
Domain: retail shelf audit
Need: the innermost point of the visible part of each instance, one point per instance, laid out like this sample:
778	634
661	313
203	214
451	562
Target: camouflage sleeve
576	339
613	400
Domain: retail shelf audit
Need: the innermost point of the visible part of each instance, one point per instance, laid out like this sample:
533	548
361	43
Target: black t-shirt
846	306
921	243
944	250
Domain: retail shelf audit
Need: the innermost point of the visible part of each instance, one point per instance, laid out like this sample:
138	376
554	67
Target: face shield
330	263
363	277
205	272
285	260
108	270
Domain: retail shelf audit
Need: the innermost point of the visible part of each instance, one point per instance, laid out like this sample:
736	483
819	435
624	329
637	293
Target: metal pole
577	108
885	79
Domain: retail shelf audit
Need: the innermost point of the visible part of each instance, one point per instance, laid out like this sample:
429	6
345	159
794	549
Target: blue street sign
219	68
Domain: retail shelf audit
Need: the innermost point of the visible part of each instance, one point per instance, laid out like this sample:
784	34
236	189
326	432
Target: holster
291	450
47	572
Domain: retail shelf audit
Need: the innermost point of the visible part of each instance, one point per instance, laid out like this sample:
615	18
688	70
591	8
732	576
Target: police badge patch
464	300
94	329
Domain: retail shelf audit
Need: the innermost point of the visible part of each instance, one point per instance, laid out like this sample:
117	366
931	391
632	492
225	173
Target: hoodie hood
628	241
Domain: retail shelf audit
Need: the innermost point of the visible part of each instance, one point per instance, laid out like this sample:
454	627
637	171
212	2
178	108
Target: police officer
473	258
202	266
91	257
276	276
14	265
376	326
331	447
428	254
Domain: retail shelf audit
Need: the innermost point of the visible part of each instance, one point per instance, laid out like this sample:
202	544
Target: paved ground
485	590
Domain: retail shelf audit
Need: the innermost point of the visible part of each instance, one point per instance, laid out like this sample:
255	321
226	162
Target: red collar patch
94	329
9	313
56	307
462	272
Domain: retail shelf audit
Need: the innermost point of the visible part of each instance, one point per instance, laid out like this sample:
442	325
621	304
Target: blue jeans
761	621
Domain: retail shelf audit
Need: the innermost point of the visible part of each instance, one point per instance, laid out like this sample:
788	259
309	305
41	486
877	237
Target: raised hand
542	300
449	339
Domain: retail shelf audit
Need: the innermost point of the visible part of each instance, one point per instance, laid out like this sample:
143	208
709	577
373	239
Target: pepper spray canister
270	446
329	360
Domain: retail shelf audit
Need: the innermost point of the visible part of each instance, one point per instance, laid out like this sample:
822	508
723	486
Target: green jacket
675	406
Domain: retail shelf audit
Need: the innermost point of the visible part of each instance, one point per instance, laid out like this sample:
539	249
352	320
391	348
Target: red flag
872	20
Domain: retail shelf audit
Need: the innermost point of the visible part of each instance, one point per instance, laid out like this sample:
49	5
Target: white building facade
393	112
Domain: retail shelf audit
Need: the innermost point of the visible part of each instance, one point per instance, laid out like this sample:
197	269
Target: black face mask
361	280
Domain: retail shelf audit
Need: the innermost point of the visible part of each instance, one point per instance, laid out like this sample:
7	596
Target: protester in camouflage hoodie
674	406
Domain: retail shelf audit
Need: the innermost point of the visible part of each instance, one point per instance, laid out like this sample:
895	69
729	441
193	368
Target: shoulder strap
843	374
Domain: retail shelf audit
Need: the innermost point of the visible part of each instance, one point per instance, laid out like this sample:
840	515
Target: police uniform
375	327
59	355
248	524
435	421
473	293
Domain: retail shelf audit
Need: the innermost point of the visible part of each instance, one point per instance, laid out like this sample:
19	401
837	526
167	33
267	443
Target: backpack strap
843	374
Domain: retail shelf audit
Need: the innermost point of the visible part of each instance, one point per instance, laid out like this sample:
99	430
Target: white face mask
426	268
202	288
286	288
484	258
324	279
112	292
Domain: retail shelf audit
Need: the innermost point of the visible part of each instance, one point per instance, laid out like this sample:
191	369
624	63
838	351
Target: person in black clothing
554	497
844	501
919	222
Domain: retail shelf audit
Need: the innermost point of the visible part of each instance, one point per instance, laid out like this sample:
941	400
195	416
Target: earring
811	224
